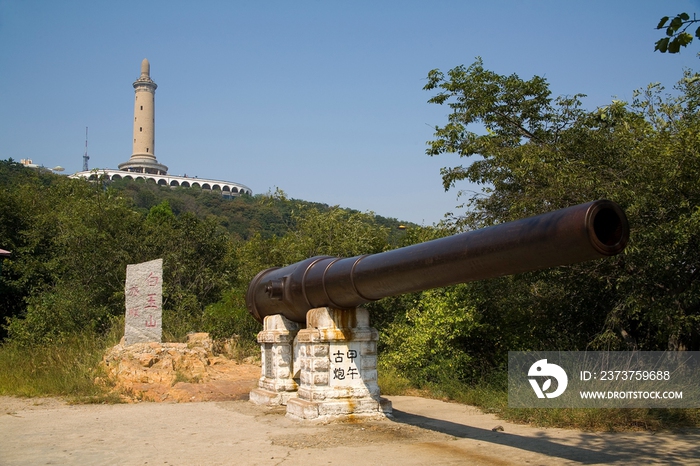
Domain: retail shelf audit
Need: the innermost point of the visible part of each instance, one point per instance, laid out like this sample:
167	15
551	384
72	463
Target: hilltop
268	214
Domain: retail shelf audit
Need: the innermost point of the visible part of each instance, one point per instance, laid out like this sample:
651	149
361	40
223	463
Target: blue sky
322	99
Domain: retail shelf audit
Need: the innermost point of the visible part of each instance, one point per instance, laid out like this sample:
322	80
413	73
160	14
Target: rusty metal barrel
587	231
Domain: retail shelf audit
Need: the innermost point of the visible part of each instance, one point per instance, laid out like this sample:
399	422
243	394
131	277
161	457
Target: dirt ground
231	430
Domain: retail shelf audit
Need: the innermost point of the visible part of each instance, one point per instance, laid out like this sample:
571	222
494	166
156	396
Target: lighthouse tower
143	158
143	164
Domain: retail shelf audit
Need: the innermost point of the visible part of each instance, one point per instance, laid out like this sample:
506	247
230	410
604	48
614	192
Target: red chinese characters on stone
151	303
152	279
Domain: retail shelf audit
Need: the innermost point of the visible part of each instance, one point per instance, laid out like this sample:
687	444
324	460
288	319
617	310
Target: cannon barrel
567	236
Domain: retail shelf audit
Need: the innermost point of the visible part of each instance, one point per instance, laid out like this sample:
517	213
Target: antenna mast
86	157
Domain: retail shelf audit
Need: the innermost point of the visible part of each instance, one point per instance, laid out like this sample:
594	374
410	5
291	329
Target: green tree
333	232
532	154
198	265
19	209
72	241
676	33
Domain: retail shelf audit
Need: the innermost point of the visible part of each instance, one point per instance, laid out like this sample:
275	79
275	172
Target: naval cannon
567	236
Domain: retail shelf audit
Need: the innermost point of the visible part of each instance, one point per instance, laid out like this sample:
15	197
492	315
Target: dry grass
66	369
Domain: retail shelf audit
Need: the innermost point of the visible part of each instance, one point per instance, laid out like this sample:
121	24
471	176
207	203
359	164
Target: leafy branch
676	32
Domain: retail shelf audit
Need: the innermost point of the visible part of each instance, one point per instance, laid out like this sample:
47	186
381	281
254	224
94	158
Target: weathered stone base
260	396
332	410
337	358
276	385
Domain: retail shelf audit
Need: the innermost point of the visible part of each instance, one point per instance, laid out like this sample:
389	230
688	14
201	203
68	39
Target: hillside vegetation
71	241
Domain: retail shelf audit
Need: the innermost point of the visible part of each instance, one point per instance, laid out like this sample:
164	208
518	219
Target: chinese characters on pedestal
345	364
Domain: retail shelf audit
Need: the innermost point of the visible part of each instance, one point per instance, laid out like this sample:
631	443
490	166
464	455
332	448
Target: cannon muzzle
567	236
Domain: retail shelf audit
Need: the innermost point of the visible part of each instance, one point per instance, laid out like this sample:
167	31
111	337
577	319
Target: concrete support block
337	359
276	385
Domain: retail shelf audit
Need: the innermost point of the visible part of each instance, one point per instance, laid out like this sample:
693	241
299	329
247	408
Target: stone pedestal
276	385
337	358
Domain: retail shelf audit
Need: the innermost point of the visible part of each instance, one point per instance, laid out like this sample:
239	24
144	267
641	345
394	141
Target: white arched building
143	164
227	188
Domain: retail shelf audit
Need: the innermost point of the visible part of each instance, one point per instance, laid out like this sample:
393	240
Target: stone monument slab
143	291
